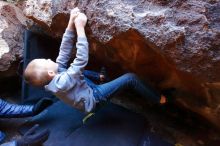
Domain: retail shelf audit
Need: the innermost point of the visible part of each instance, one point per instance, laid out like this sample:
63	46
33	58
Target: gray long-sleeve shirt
69	84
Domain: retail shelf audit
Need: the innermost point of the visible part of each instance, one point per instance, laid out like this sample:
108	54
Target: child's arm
67	41
82	54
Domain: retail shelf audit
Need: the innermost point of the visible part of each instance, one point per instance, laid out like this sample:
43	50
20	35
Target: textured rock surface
12	26
185	31
172	44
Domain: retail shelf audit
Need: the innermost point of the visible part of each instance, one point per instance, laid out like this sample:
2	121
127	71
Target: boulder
12	26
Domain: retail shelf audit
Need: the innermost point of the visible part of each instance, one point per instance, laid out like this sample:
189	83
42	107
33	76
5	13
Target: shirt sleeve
12	143
82	57
65	49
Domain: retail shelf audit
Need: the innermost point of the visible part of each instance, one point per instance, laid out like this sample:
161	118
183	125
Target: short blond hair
36	74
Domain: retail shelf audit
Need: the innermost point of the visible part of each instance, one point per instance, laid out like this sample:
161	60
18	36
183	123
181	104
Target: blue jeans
127	81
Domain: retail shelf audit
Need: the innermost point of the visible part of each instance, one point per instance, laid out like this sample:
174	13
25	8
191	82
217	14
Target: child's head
40	72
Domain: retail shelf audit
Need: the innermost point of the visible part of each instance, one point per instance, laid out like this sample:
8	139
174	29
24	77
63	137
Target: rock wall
185	31
12	26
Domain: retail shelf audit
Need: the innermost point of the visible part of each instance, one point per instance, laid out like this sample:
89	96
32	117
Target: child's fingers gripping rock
74	13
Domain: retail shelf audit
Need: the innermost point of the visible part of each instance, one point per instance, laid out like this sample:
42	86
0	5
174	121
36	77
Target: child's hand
74	13
80	20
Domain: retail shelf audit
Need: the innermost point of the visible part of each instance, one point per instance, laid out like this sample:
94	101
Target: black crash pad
115	126
110	126
60	119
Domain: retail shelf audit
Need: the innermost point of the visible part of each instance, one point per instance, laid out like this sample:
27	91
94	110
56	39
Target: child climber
71	84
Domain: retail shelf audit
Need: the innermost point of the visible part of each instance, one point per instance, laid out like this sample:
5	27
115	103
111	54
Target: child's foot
103	75
163	99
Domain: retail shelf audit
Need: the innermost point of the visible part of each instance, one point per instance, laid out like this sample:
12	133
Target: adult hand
42	105
33	138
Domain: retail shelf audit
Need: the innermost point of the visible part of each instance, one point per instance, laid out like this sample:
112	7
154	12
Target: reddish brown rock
184	31
172	44
11	38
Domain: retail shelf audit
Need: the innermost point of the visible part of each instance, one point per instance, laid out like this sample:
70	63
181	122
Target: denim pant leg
92	75
127	81
92	85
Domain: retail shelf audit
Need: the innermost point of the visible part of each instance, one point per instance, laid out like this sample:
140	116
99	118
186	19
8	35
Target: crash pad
112	125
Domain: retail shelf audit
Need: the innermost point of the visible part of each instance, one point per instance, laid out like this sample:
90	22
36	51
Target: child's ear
51	73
